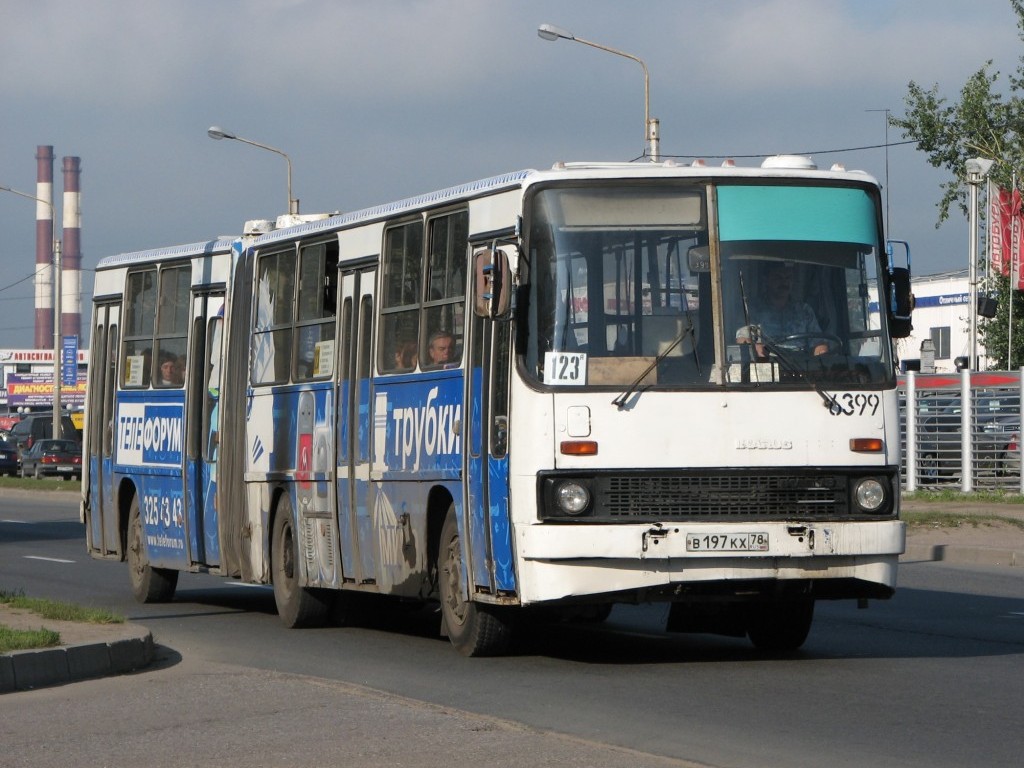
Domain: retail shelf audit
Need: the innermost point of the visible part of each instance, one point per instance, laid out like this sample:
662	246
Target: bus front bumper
563	561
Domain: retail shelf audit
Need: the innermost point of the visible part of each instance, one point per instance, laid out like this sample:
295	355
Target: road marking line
47	559
23	522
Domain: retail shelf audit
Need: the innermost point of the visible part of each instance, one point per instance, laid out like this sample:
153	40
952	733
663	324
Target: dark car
39	426
60	458
9	462
996	430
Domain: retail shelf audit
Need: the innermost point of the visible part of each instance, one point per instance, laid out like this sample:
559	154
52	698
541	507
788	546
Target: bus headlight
870	494
572	497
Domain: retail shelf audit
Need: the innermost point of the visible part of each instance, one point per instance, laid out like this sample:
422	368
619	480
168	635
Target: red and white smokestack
71	262
44	247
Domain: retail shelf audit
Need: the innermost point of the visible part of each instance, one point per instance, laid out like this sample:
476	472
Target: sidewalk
87	650
99	650
990	543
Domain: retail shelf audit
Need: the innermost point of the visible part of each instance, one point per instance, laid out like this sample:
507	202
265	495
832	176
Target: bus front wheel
474	629
149	584
780	626
296	605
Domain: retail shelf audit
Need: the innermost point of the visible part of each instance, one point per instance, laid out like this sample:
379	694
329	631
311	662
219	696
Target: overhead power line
801	152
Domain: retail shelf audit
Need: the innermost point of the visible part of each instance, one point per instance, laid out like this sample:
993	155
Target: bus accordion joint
578	447
867	444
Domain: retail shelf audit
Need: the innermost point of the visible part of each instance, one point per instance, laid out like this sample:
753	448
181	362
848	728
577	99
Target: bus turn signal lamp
867	445
579	447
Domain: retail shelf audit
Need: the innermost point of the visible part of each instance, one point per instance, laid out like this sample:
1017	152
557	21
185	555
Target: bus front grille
756	495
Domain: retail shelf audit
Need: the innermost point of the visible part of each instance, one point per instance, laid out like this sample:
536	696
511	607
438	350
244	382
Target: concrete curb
24	670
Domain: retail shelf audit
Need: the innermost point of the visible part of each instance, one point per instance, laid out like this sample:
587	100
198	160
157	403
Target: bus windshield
622	287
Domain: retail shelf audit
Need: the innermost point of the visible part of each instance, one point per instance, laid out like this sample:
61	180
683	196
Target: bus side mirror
901	303
493	283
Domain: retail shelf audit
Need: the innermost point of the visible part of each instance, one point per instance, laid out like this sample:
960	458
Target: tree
983	123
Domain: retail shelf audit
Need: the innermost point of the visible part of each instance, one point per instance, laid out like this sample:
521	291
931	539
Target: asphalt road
930	678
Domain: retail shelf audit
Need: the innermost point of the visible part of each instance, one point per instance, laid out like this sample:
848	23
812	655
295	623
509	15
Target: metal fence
962	431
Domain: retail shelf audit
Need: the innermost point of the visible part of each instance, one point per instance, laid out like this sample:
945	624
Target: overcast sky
375	100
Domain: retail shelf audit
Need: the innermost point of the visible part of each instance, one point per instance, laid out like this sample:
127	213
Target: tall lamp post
216	132
977	170
57	431
651	131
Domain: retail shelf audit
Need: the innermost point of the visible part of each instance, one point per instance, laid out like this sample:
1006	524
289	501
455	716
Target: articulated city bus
557	390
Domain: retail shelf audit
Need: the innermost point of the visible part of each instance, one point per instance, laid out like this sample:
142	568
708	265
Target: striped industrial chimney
44	248
71	274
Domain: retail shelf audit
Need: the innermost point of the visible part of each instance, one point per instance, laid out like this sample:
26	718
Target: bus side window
444	307
400	299
317	299
272	333
140	304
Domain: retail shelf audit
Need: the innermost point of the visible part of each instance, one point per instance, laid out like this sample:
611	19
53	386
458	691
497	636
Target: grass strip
952	519
25	639
60	611
955	496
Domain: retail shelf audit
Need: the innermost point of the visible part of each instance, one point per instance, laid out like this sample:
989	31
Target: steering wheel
807	337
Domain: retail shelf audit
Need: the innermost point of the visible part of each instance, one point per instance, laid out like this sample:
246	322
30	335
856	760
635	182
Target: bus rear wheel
149	584
474	629
296	605
780	626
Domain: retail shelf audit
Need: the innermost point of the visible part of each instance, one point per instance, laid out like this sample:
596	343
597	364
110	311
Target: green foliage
984	122
995	333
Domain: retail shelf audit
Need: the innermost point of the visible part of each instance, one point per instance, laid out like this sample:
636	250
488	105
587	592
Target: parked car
60	458
39	426
996	433
9	462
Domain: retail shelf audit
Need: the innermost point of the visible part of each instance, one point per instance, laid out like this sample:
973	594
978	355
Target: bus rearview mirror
493	279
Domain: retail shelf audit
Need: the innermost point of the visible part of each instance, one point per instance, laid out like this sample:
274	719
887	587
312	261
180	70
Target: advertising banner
36	390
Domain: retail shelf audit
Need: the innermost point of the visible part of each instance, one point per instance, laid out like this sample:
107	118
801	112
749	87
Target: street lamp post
977	169
216	132
57	298
651	128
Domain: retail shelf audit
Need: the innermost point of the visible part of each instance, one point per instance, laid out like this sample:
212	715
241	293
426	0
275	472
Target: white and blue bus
556	390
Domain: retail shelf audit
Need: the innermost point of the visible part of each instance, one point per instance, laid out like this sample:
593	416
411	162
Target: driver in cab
780	316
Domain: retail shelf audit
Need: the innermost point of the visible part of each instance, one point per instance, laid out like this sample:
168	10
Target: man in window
441	348
172	371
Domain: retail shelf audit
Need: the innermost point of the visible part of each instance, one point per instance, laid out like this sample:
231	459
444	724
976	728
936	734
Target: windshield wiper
830	400
620	401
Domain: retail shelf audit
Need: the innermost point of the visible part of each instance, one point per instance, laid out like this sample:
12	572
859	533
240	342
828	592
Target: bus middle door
203	408
355	428
104	538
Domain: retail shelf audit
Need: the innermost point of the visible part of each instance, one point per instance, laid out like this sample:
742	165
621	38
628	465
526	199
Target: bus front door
203	429
355	428
486	460
104	539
